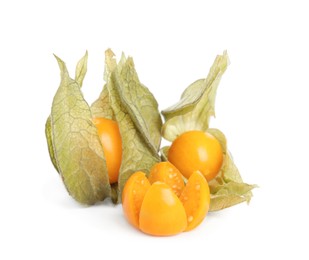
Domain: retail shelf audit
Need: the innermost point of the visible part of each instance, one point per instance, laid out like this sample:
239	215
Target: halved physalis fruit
169	174
133	196
195	199
162	213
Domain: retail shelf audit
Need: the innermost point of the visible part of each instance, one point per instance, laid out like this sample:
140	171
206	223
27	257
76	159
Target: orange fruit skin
162	213
169	174
133	195
195	199
109	134
196	151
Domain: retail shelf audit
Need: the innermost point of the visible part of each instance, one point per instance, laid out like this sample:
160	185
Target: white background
262	107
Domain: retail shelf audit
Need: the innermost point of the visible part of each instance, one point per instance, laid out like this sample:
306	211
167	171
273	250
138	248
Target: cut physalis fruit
195	199
155	208
169	174
162	213
133	195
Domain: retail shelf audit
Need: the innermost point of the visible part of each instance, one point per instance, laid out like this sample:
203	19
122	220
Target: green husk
80	72
81	69
49	140
139	102
138	154
197	103
102	106
228	188
77	149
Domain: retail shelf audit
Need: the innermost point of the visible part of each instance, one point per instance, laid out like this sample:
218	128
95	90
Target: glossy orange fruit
169	174
110	137
196	151
195	199
162	213
133	196
155	208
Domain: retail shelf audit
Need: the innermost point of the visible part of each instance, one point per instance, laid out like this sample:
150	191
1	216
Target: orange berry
196	151
110	137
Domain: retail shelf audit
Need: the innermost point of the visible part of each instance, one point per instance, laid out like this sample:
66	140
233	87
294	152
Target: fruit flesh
133	196
162	213
169	174
195	199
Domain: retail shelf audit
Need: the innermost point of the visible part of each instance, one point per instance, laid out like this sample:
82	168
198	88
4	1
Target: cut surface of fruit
169	174
133	196
162	213
195	199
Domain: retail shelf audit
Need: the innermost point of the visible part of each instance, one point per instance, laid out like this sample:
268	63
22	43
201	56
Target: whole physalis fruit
169	174
196	151
109	134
